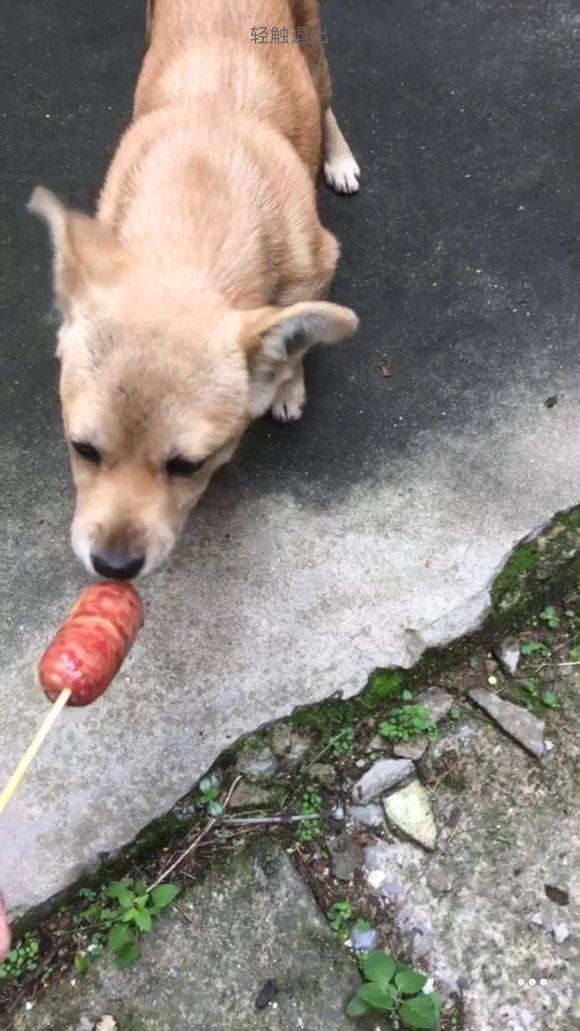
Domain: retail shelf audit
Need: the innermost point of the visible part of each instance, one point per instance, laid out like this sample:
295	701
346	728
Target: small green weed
117	915
338	916
342	744
536	648
210	794
22	959
535	699
311	805
551	617
393	988
408	721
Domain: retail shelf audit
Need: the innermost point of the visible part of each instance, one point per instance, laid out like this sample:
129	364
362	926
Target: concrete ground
192	976
377	524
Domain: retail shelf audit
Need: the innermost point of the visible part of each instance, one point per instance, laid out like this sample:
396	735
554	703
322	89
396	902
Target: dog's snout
117	565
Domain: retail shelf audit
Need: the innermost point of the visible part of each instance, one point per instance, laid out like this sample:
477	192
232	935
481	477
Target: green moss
522	562
383	686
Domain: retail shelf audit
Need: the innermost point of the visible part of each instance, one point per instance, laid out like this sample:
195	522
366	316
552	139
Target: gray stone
370	815
520	724
290	746
247	795
437	701
409	811
440	881
382	775
509	655
560	933
204	964
412	749
378	743
346	856
322	773
261	765
364	939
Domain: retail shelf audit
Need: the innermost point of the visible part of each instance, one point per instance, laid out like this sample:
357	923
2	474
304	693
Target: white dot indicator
543	981
521	982
532	981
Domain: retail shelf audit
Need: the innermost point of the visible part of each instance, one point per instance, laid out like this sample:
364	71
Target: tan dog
190	300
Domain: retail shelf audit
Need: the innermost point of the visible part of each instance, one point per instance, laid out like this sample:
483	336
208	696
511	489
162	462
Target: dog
189	301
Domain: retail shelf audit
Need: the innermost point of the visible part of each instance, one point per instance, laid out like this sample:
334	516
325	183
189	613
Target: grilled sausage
90	646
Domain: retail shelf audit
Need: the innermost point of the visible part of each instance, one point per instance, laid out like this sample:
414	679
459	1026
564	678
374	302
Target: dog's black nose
117	565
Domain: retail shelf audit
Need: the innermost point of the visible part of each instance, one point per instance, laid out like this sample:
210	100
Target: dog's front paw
342	173
289	402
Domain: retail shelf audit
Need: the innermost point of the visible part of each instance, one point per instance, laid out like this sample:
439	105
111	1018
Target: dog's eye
180	466
86	451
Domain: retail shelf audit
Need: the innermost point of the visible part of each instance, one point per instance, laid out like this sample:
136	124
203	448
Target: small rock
346	856
560	932
520	724
437	701
440	881
537	920
383	774
509	655
323	773
364	938
338	812
409	810
412	749
267	995
289	746
378	743
106	1023
249	795
367	815
261	765
557	894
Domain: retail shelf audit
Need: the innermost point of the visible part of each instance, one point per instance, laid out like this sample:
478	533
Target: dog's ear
87	254
272	336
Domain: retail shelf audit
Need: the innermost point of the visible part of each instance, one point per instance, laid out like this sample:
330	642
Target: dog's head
158	383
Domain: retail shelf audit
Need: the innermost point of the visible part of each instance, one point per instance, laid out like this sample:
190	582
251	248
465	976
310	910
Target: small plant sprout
551	617
408	721
395	989
311	805
536	648
117	916
338	916
210	794
342	744
22	959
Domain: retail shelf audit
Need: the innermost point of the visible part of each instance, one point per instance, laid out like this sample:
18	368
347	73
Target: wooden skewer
30	753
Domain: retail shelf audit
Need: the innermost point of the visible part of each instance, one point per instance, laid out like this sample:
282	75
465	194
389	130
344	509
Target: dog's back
211	49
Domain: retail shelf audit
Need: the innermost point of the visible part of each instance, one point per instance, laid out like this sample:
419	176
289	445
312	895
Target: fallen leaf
385	369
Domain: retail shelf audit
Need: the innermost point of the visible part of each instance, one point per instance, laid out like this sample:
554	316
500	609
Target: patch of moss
522	562
384	685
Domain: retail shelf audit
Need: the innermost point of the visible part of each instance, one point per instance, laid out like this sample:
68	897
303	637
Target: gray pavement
375	525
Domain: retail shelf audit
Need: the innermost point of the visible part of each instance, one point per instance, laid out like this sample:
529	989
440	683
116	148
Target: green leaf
455	712
377	996
141	902
407	695
164	894
215	808
421	1012
81	962
119	935
379	966
409	982
357	1007
205	785
129	915
550	699
143	920
128	954
141	888
120	891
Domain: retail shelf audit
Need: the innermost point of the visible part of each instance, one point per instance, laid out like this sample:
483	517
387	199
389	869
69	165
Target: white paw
342	173
289	402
